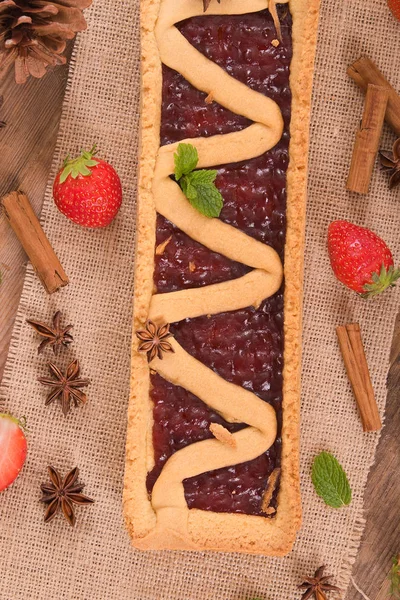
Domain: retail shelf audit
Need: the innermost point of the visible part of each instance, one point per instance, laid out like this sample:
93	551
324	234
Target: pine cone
34	34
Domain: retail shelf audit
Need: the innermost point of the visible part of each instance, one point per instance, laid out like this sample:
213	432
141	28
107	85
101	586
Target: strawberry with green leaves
394	6
13	449
360	259
88	190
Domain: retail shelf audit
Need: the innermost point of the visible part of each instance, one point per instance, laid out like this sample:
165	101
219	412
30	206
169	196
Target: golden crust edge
223	531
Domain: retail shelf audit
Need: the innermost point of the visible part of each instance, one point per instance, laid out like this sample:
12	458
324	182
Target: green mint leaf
330	480
186	159
203	177
187	188
394	577
199	188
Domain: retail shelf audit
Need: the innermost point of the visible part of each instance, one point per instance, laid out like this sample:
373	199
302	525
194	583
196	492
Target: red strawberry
13	449
88	190
394	6
360	259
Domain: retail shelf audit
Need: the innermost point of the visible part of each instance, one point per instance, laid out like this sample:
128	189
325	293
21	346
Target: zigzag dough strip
234	403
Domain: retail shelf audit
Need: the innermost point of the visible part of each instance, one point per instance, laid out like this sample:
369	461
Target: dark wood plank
32	115
381	538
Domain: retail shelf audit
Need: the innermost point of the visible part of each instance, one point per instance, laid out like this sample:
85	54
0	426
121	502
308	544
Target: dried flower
34	34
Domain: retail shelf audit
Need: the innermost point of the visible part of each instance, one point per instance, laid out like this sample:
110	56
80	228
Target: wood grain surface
32	114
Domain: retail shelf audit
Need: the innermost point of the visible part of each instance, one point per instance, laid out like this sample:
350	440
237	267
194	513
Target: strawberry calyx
20	422
380	282
79	166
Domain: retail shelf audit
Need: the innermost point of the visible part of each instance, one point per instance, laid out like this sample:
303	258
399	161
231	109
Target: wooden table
32	114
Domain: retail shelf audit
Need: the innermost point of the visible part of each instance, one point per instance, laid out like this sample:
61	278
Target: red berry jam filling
245	346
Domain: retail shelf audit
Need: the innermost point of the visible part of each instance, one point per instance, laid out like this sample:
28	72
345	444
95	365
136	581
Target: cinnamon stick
367	139
364	71
355	361
26	226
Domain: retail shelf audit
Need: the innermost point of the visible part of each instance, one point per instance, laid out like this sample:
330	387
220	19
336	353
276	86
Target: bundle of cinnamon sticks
382	102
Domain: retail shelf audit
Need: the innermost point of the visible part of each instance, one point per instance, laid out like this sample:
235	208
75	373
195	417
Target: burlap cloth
95	560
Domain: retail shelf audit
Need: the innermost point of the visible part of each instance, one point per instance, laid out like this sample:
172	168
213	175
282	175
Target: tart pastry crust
164	520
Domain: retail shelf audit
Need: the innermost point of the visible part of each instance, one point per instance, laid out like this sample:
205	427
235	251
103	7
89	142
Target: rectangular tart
212	459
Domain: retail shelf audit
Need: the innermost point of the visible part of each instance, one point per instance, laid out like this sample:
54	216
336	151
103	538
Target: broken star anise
63	494
55	336
317	585
66	386
206	4
154	340
390	161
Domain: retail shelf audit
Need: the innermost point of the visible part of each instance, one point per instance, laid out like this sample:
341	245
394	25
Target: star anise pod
56	336
206	4
390	161
153	340
65	386
63	494
317	585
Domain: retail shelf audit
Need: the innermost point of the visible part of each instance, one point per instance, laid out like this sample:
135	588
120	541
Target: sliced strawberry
13	449
360	259
394	6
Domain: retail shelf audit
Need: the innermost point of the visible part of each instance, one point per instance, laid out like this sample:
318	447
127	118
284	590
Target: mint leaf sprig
394	577
330	480
198	186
